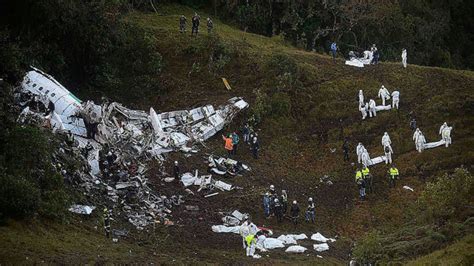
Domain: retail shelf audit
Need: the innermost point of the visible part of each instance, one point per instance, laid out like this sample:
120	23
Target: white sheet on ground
321	247
431	145
287	240
225	229
354	62
320	238
298	237
408	188
81	209
271	243
296	249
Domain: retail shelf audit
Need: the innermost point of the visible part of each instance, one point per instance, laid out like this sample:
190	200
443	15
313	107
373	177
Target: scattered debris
81	209
222	166
115	143
287	240
191	208
408	188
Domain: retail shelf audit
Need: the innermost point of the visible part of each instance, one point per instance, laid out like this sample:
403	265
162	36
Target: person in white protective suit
404	58
361	98
244	231
372	111
363	110
443	126
366	158
251	241
384	94
388	153
420	142
395	99
359	150
416	134
386	141
446	135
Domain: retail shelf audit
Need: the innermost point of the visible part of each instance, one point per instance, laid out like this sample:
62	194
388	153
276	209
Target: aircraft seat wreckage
135	135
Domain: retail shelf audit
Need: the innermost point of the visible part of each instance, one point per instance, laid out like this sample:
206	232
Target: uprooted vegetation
304	105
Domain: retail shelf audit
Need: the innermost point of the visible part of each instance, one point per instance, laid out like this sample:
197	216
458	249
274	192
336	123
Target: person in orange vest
229	146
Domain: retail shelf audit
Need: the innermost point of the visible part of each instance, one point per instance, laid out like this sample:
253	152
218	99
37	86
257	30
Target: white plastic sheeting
321	247
225	229
272	243
296	249
298	237
431	145
382	108
287	240
320	238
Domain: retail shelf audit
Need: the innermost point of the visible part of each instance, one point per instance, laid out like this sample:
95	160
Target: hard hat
276	200
310	199
294	202
272	187
176	162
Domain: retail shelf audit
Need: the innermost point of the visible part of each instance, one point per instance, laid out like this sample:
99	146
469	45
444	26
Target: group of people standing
231	141
277	206
195	21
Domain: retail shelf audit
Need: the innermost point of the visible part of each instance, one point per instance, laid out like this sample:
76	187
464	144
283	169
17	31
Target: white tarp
320	238
296	249
225	229
287	240
272	243
377	160
321	247
408	188
354	62
382	107
298	237
431	145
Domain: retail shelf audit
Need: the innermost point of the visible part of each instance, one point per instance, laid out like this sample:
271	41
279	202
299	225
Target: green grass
458	253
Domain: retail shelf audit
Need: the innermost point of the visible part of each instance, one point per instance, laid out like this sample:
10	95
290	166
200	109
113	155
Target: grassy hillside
306	105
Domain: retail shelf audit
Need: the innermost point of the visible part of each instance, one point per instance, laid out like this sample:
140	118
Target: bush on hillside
448	196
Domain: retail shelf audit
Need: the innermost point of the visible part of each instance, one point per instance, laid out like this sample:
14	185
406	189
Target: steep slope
307	105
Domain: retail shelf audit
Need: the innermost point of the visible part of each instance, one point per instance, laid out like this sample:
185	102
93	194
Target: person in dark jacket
195	21
345	148
278	209
255	147
295	212
176	170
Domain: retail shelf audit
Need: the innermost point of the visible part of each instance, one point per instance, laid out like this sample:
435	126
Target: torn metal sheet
81	209
223	186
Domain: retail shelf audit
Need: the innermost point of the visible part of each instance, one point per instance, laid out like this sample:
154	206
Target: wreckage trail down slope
306	117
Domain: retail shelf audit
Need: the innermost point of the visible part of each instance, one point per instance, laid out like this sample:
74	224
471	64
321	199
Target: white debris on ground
321	247
296	249
408	188
81	209
222	166
320	238
360	61
116	142
287	240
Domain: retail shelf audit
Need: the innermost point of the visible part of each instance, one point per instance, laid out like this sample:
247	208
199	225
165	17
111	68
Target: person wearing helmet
310	211
295	212
210	25
278	208
255	147
176	170
182	24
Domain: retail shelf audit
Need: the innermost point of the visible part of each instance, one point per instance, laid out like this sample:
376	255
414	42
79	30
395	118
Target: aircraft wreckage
134	137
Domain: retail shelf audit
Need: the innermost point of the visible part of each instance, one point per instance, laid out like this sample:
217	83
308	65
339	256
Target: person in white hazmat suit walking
361	98
359	150
420	142
395	99
446	135
372	111
386	139
404	58
443	126
384	94
244	231
388	153
416	134
363	110
366	158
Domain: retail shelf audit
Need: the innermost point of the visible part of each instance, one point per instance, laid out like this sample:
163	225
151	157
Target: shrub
448	195
18	197
369	250
280	104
